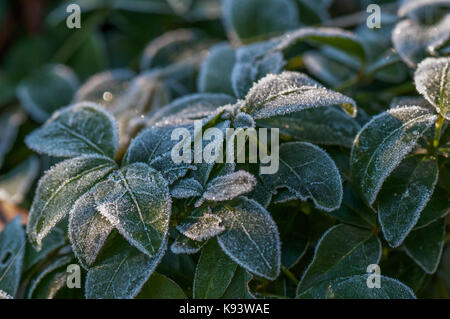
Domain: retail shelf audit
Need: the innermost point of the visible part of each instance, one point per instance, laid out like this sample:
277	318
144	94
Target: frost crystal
201	225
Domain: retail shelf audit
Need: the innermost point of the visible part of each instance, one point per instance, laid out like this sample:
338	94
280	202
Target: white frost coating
251	237
411	39
352	253
244	120
84	128
404	195
88	229
227	187
432	80
201	225
309	172
382	144
60	188
185	188
4	295
136	201
291	92
185	246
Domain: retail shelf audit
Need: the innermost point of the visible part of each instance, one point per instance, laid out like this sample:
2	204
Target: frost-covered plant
357	187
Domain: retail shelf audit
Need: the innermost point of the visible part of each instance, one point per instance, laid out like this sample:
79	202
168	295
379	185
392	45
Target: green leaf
136	201
414	40
214	272
49	288
308	172
56	239
425	245
215	73
253	18
201	224
382	144
353	211
46	90
323	125
432	79
355	287
238	287
15	184
161	287
251	237
120	270
81	129
437	207
60	188
10	121
404	195
88	229
291	92
341	252
293	226
12	250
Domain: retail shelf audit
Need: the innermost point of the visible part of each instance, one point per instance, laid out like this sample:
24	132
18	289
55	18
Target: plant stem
289	274
437	132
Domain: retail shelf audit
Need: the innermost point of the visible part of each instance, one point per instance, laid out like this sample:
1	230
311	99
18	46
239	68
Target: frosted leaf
186	188
88	229
284	195
15	184
324	125
173	47
10	120
152	143
409	7
60	188
12	249
46	90
342	251
213	273
382	144
186	246
355	287
425	245
437	207
432	79
413	41
267	17
314	11
201	225
291	92
402	101
253	63
404	195
238	287
190	107
54	265
120	270
251	237
309	172
227	187
80	129
262	192
215	72
243	120
4	295
136	201
104	88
